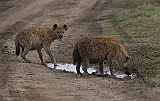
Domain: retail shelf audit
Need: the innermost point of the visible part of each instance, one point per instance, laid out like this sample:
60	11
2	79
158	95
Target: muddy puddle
92	70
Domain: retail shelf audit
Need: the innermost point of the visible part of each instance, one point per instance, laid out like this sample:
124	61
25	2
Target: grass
146	59
142	22
139	30
110	30
132	3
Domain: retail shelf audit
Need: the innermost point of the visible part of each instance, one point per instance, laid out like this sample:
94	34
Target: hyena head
59	30
126	65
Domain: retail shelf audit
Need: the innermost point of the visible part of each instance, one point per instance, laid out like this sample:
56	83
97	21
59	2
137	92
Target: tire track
91	18
8	75
86	22
7	72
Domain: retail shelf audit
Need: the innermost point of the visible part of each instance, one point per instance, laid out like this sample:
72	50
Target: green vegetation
132	3
146	58
141	22
139	30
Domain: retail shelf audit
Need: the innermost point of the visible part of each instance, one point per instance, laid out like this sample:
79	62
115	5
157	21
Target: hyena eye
127	58
57	31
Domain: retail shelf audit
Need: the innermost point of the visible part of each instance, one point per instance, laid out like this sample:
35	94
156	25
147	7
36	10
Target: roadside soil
21	81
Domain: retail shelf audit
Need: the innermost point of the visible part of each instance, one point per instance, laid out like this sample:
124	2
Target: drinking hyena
92	49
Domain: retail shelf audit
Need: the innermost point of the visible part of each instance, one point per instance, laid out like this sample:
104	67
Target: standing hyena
37	38
96	50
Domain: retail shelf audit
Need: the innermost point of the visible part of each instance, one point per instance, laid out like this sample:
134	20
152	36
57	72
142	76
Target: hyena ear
128	58
55	26
65	27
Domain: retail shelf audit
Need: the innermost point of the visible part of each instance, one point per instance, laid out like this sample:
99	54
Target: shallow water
92	69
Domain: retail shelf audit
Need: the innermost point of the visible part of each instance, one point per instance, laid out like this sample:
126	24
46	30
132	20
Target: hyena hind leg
24	53
101	68
78	66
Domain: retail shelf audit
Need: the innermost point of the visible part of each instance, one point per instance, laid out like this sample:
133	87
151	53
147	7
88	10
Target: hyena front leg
85	66
24	53
110	66
48	51
41	57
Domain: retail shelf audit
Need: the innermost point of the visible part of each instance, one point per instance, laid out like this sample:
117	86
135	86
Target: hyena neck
53	35
122	55
120	60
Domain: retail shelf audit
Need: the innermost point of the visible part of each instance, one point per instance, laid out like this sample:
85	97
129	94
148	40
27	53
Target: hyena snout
127	66
127	71
60	36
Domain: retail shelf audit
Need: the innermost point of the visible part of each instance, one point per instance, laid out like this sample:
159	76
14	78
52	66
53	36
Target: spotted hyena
96	49
34	38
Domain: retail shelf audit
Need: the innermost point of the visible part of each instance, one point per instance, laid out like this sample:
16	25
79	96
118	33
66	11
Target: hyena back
96	50
37	38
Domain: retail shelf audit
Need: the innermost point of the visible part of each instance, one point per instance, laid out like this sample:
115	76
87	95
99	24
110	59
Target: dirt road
32	82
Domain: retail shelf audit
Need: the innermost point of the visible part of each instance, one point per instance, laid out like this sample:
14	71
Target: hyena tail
76	56
17	45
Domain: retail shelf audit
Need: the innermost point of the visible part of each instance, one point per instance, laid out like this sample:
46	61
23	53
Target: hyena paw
27	61
113	76
101	75
55	65
85	74
44	64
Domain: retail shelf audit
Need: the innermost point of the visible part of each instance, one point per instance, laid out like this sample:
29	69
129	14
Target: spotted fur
96	49
35	38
